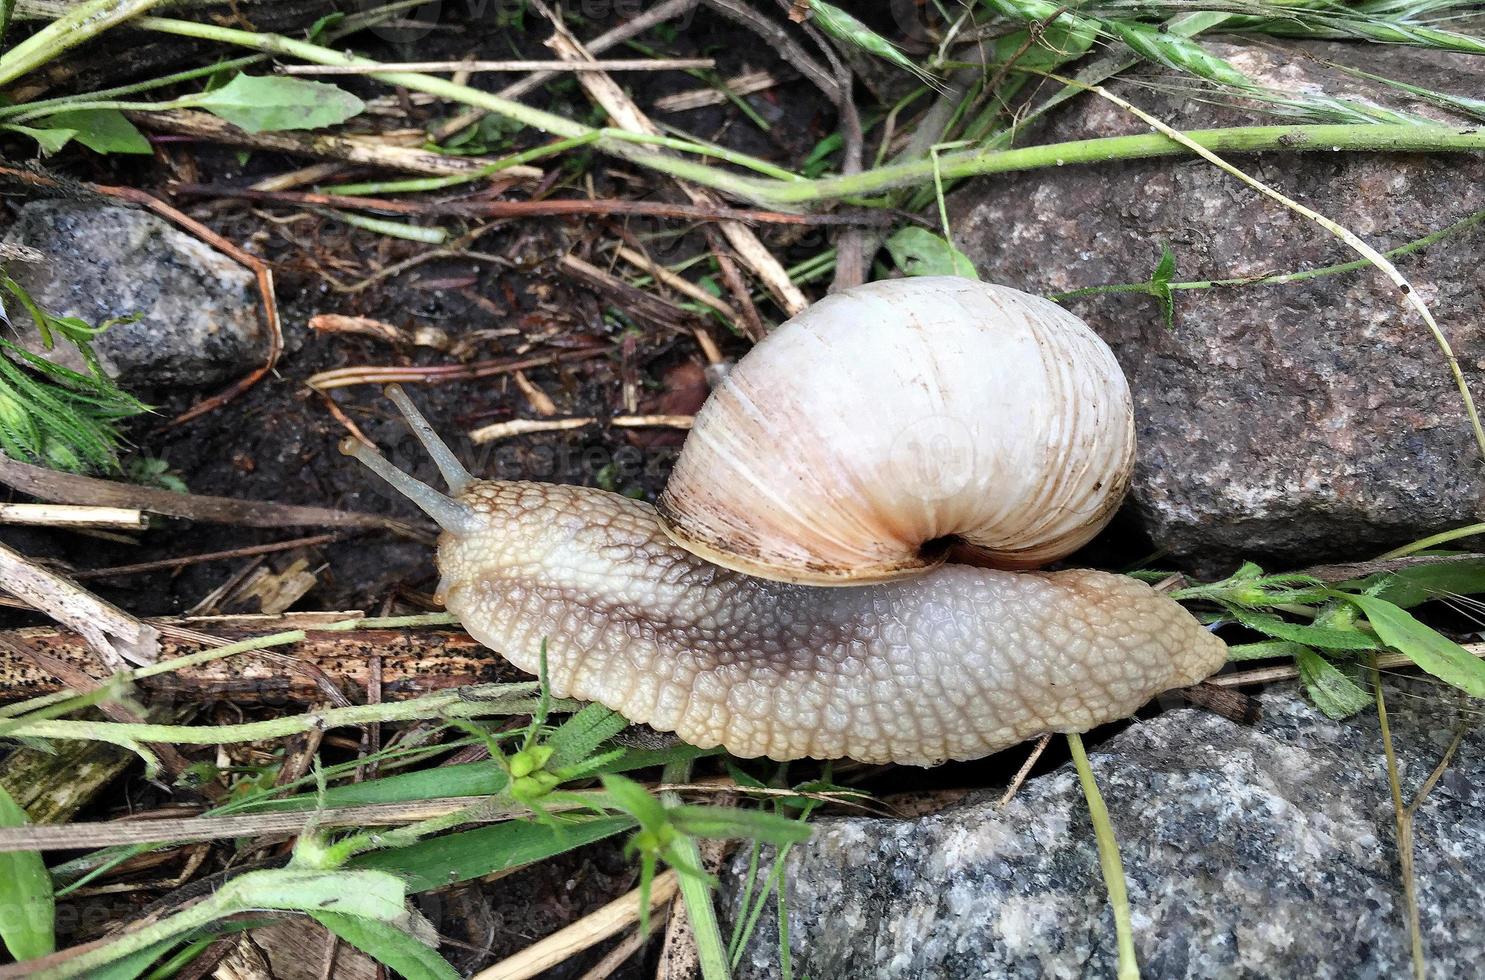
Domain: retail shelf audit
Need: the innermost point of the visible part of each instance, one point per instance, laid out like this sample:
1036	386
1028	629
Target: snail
791	595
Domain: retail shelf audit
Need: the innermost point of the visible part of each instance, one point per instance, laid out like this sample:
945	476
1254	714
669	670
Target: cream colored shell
860	435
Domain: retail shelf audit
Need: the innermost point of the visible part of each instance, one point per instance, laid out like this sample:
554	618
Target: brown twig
185	560
540	208
83	681
378	374
1024	771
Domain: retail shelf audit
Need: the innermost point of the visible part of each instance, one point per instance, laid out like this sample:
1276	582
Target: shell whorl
888	418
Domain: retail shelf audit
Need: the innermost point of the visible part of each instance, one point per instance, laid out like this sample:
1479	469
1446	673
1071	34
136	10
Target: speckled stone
1264	851
1302	421
199	316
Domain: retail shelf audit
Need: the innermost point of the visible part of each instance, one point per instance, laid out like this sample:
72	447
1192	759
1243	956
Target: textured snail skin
954	664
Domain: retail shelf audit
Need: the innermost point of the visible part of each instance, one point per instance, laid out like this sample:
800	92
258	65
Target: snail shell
861	437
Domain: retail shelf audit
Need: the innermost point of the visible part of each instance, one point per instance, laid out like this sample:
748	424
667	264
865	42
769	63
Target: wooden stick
611	64
73	515
583	934
115	635
69	488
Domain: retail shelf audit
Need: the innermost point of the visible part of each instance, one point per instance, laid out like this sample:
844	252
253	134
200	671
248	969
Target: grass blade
1435	653
391	947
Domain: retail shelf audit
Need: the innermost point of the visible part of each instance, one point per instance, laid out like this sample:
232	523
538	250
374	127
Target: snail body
913	661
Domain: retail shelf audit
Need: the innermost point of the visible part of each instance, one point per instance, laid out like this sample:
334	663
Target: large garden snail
790	596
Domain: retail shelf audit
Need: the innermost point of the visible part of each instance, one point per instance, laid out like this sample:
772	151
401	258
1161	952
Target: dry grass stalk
739	85
626	115
525	427
73	515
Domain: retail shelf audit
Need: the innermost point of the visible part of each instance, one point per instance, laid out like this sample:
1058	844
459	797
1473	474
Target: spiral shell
862	437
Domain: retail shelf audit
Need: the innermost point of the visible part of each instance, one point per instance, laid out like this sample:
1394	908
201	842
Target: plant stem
1240	139
79	24
696	892
1433	540
780	191
1108	859
1404	817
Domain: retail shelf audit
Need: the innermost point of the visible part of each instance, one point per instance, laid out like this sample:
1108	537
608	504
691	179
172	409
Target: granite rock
1299	421
199	320
1263	851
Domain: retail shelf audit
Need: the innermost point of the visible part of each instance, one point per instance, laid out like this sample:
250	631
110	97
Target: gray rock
1263	851
199	321
1301	420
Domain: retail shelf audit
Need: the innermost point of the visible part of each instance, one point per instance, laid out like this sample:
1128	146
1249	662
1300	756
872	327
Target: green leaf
396	950
102	130
1435	653
50	140
1420	583
265	103
1324	637
324	24
919	252
1166	267
1180	53
632	798
452	858
724	823
1335	694
27	908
